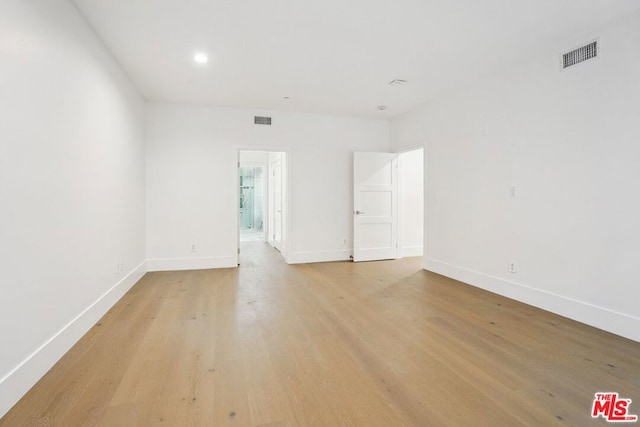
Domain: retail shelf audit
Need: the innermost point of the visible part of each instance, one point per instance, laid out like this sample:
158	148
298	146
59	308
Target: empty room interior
285	213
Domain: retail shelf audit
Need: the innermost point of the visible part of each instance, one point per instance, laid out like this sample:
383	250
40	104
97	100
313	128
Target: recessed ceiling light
381	107
200	58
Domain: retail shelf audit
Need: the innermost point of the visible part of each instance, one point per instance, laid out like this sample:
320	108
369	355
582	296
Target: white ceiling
330	56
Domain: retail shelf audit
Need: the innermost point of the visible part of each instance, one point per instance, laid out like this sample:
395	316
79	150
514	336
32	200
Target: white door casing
375	204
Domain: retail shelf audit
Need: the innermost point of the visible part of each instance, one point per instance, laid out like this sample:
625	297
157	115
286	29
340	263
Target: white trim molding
319	256
203	263
599	317
411	251
20	379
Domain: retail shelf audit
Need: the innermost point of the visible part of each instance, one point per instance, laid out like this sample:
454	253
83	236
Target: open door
276	170
375	204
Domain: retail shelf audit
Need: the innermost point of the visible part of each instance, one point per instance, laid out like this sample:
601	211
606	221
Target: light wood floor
367	344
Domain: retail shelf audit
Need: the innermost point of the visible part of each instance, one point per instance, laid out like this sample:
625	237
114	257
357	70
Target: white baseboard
410	251
175	264
19	380
319	256
600	317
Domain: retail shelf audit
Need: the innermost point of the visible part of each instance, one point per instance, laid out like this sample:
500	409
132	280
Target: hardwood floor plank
365	344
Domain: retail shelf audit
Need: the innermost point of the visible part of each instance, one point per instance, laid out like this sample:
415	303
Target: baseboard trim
411	251
20	379
175	264
599	317
319	256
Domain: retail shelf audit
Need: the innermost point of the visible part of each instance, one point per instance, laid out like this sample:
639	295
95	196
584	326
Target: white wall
71	186
191	195
411	201
569	142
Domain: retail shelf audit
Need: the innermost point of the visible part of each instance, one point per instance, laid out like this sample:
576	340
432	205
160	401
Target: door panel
376	235
375	202
277	204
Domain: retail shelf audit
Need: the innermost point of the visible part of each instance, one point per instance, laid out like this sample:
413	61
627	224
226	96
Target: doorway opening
262	202
251	203
411	203
388	201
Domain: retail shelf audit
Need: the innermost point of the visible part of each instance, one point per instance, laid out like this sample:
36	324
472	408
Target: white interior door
276	168
375	204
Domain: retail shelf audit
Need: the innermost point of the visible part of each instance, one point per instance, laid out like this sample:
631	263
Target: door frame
286	240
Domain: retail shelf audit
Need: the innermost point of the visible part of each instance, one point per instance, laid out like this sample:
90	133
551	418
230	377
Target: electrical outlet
513	191
512	267
193	248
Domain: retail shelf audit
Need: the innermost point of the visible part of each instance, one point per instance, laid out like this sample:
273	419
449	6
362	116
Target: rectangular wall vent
581	54
261	120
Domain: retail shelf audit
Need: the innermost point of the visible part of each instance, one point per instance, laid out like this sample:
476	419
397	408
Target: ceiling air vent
581	54
261	120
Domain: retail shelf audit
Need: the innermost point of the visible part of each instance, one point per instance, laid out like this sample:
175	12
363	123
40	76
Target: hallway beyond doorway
262	190
251	235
